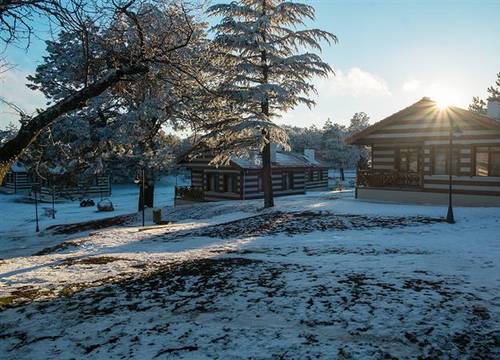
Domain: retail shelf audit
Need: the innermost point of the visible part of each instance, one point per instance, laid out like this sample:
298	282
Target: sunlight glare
444	96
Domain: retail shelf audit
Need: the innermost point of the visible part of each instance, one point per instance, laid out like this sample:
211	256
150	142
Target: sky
390	54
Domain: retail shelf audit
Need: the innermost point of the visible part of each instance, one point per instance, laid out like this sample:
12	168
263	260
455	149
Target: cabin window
230	183
310	175
284	181
487	161
287	180
408	159
260	184
495	162
440	160
482	162
212	182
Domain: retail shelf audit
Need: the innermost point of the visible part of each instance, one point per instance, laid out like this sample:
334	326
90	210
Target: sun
443	96
443	104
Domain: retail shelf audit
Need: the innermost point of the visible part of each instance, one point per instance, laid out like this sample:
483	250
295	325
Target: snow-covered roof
283	159
18	166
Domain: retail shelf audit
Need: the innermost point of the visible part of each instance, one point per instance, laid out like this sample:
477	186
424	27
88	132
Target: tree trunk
147	195
267	173
267	179
28	132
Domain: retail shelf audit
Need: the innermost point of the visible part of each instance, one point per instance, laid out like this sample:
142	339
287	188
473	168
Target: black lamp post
141	182
35	190
53	201
143	193
454	132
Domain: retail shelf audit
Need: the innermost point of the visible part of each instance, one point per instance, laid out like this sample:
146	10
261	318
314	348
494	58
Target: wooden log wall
316	179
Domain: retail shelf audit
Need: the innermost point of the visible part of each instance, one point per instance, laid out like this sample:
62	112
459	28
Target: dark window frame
491	149
284	180
230	182
408	151
212	182
456	157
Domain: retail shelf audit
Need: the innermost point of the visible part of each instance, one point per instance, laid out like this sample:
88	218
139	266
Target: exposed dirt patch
95	260
23	295
60	247
308	221
91	225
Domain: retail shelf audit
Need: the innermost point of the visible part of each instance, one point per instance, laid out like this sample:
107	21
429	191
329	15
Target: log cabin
97	186
17	180
241	179
20	180
414	151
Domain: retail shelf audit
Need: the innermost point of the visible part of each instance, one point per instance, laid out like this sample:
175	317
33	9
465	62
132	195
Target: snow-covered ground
321	275
17	216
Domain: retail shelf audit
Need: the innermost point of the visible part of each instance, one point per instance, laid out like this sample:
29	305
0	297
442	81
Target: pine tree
333	147
478	105
267	73
359	121
494	91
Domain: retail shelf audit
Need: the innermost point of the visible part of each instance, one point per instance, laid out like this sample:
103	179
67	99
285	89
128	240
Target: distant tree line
329	141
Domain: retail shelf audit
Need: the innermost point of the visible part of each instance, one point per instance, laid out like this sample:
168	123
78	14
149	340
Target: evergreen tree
333	148
359	121
8	133
478	105
267	73
494	91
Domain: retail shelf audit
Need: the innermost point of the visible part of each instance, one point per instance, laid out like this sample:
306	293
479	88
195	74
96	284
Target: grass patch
69	290
6	302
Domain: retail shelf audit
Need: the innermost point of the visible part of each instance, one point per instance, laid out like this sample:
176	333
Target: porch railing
388	178
189	193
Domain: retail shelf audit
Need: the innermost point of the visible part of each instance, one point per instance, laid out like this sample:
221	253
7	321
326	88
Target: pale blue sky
389	55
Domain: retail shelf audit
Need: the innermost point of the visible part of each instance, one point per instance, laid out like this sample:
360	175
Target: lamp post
453	133
143	193
53	201
139	179
35	190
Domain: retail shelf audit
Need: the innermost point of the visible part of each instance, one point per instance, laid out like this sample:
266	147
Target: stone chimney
310	154
493	109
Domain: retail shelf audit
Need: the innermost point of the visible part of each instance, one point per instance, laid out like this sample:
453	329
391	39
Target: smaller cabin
93	187
241	179
17	180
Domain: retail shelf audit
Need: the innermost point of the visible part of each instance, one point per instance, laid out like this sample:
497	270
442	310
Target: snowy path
369	286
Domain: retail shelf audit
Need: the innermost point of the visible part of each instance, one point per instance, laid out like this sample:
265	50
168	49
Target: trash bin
157	216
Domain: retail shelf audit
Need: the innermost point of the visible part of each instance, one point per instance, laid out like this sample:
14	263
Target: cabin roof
283	159
18	167
427	108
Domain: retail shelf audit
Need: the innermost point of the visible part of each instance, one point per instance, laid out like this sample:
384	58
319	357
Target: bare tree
128	59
